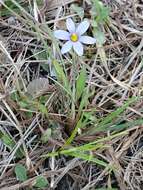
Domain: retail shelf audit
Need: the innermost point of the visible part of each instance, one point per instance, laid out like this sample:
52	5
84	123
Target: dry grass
115	74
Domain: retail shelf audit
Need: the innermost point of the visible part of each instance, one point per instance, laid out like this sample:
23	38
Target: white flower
74	36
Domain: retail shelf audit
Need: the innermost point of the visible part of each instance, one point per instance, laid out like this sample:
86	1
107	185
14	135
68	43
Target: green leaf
88	157
99	12
42	55
105	123
29	114
78	10
46	135
80	84
100	37
84	101
21	172
23	104
82	151
94	24
41	182
10	5
10	143
74	132
14	96
130	124
84	148
117	113
61	75
42	108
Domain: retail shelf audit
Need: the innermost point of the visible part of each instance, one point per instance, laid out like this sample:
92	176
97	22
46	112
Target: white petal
78	48
70	25
66	47
87	40
82	27
62	35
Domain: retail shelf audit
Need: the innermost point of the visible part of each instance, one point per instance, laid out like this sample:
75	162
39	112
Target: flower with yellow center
74	36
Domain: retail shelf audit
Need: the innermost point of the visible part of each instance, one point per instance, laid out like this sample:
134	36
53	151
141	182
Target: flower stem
74	75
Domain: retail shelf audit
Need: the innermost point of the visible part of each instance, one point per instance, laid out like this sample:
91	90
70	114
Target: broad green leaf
41	182
21	172
80	84
10	143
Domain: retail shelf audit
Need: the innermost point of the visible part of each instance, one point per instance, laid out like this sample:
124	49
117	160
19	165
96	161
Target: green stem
74	73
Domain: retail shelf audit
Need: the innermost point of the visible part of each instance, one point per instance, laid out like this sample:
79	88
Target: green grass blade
102	126
74	132
61	75
88	157
126	125
80	83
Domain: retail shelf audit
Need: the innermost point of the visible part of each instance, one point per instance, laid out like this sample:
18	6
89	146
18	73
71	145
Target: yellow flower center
74	37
